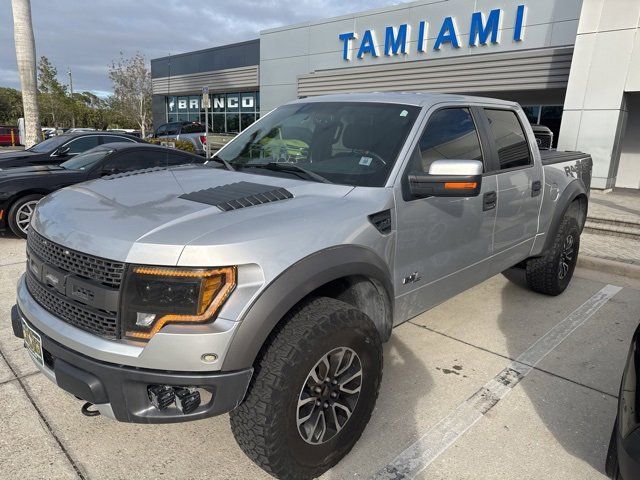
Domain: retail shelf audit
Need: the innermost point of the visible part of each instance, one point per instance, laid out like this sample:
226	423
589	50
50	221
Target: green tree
55	104
10	106
132	90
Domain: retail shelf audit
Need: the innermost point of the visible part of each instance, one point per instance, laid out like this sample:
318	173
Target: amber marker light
460	185
214	288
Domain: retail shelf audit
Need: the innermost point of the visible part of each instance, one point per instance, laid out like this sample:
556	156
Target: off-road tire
543	274
12	219
265	424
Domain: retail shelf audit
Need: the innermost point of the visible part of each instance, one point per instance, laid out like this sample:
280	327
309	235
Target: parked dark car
22	188
59	149
623	459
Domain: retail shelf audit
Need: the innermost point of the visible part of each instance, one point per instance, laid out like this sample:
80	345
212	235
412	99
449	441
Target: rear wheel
313	391
551	273
20	214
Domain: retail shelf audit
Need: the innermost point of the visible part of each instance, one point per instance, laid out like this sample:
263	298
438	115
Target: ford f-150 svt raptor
264	282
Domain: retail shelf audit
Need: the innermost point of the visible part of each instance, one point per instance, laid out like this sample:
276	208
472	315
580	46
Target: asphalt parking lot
553	423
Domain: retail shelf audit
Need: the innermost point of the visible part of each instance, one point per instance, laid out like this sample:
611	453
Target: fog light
161	396
144	319
186	400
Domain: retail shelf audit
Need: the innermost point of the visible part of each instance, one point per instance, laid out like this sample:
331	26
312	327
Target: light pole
73	113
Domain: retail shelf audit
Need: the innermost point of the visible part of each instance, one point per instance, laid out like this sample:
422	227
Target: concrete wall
606	64
289	52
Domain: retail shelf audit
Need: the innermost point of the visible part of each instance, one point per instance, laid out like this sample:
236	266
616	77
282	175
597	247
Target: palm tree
26	55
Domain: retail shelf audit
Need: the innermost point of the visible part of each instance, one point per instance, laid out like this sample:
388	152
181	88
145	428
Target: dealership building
574	65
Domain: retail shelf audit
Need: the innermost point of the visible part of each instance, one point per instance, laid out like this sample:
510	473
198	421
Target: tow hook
89	413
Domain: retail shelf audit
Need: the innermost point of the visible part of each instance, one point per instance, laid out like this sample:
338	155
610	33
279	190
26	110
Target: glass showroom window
229	113
185	109
547	115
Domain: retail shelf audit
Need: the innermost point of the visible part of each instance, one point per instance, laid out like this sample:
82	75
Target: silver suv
265	282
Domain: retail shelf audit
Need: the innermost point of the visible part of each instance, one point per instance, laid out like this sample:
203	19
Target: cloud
88	36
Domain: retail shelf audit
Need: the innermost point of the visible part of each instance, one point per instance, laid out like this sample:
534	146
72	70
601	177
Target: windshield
351	143
49	144
87	159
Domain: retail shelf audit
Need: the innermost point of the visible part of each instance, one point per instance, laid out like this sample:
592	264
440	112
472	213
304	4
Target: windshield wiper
226	164
290	167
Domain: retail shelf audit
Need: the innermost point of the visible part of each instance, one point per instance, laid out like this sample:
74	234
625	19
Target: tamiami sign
484	29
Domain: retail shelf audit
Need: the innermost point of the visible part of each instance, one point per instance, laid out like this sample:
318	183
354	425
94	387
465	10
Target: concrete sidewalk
611	239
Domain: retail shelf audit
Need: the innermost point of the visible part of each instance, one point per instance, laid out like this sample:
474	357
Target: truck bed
551	157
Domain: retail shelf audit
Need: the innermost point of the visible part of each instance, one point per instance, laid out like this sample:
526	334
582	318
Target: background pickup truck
264	282
192	132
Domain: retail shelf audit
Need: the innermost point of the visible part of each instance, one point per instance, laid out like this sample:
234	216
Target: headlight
156	296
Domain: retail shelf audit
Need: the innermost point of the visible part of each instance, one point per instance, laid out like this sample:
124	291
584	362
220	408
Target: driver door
443	241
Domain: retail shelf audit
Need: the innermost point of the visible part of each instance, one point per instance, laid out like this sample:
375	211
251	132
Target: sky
86	35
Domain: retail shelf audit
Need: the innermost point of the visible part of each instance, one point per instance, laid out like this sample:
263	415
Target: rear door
443	242
519	186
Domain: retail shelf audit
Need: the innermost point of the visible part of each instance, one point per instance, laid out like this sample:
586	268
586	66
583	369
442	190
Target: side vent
238	195
382	221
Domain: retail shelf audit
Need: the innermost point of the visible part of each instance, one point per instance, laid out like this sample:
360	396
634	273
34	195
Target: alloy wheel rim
329	395
566	257
24	214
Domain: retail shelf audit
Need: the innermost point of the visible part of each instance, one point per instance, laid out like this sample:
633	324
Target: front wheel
551	273
20	213
313	391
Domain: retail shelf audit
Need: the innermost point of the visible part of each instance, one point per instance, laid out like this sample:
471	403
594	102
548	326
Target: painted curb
609	266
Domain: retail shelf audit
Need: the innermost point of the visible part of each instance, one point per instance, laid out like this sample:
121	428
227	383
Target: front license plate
33	343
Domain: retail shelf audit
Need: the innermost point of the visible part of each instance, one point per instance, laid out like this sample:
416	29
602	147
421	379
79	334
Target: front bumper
120	392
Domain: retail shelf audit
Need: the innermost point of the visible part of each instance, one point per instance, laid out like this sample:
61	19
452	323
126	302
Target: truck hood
130	217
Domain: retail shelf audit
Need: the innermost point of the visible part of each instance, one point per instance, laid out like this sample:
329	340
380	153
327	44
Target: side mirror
60	152
448	178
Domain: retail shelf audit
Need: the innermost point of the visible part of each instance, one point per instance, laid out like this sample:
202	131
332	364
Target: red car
9	136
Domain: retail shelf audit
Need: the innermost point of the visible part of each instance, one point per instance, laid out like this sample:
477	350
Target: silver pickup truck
265	282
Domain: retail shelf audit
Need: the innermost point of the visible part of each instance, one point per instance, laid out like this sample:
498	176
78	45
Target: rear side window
113	139
175	158
450	134
510	139
192	128
134	159
83	144
172	129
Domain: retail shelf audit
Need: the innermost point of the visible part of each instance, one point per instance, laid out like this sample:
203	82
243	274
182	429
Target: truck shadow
578	417
393	424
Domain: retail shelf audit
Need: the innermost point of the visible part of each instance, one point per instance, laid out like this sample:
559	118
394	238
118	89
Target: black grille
94	321
101	270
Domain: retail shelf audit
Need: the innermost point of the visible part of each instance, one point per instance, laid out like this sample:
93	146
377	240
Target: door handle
536	187
489	201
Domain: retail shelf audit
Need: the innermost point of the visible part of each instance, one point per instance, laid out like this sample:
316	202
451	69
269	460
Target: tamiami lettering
484	29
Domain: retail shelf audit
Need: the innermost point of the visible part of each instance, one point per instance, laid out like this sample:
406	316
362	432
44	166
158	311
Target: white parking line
440	437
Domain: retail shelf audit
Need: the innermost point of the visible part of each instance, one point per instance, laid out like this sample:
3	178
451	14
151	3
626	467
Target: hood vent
238	195
382	221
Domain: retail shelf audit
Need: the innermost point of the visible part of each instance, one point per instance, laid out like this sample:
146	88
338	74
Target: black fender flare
294	284
572	191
